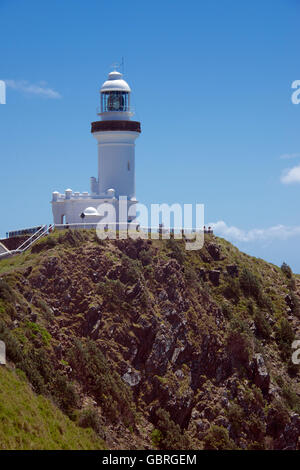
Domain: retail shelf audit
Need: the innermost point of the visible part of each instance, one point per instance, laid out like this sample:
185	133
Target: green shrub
239	342
89	418
132	268
113	292
277	418
145	256
226	310
217	438
190	273
7	294
45	243
169	435
37	330
65	394
263	327
250	284
72	237
236	417
284	338
291	398
156	437
177	250
92	369
285	268
232	290
292	284
295	304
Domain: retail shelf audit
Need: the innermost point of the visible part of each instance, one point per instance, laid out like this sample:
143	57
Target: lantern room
115	97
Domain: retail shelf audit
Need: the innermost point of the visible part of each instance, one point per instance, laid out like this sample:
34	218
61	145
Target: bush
225	308
156	437
45	243
284	338
277	418
292	284
168	435
294	304
65	394
217	438
256	430
239	342
190	273
262	325
177	249
285	268
93	370
250	284
232	289
89	418
72	237
113	292
7	294
236	417
291	398
145	257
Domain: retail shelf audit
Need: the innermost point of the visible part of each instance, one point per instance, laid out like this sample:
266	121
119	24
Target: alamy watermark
296	353
296	94
2	353
120	220
2	92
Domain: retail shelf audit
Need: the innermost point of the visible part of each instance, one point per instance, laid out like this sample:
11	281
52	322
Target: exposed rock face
233	270
168	329
214	250
202	274
214	277
132	377
92	322
289	439
260	373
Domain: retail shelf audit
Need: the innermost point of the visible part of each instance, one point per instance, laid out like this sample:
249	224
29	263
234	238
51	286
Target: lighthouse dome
91	211
115	82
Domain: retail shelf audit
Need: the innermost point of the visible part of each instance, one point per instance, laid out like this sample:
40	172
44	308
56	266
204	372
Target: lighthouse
115	133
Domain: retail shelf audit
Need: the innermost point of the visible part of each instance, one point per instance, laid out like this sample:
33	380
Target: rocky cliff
154	346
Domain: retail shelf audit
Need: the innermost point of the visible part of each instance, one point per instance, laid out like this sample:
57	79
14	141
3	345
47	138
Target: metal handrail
32	236
45	232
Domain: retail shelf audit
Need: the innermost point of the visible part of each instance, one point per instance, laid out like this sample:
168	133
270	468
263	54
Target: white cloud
278	232
40	89
291	175
288	156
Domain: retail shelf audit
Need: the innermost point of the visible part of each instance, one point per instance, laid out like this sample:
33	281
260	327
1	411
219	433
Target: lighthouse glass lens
114	101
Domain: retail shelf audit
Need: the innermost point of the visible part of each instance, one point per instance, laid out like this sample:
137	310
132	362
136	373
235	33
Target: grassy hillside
28	421
155	346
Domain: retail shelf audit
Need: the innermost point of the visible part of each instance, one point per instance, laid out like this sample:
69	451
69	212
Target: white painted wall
72	208
116	162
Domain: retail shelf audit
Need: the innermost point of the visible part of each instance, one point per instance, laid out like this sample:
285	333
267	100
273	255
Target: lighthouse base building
114	188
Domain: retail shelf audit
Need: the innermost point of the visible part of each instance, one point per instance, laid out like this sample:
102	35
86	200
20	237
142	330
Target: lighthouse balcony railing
135	227
125	109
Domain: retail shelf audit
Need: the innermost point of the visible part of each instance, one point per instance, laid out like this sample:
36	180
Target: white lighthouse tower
115	134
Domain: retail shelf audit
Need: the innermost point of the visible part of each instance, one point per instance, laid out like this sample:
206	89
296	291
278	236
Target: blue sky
211	85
